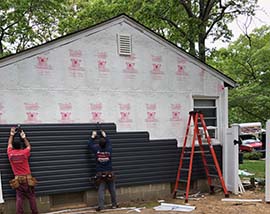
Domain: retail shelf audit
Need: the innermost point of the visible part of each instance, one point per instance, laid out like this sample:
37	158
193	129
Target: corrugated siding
61	161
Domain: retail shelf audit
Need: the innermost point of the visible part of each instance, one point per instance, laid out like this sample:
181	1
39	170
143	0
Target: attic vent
124	44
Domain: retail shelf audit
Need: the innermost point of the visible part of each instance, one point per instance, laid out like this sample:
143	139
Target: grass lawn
254	166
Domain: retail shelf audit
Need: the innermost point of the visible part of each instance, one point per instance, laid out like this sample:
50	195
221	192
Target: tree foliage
26	23
187	23
246	61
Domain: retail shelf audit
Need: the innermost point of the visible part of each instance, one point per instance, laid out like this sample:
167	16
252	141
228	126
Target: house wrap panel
82	79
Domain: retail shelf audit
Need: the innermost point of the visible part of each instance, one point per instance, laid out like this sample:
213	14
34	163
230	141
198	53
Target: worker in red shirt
18	154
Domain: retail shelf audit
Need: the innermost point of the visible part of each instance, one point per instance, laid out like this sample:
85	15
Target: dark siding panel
61	162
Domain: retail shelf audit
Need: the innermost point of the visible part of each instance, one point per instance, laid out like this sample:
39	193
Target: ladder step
216	185
185	169
196	152
213	176
211	165
206	151
182	181
186	158
181	192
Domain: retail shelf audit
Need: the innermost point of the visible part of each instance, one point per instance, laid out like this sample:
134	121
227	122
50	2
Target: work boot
115	206
98	209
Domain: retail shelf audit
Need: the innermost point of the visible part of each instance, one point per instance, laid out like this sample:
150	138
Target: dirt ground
205	204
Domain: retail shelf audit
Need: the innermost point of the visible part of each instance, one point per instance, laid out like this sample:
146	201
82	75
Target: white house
117	71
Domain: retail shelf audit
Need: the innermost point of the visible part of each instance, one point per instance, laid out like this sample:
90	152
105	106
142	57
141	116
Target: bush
252	155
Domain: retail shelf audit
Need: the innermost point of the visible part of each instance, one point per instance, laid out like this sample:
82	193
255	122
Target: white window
209	109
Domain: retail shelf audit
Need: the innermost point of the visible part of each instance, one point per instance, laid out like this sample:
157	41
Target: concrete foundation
89	198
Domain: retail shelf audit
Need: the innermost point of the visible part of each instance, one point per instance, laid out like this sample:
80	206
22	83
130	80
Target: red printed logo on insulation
181	71
220	87
102	65
96	106
130	67
65	112
42	62
156	58
32	112
76	69
75	64
96	116
151	117
175	112
32	117
175	116
102	55
156	69
75	53
124	112
124	117
65	106
1	120
151	112
31	106
1	114
102	62
65	116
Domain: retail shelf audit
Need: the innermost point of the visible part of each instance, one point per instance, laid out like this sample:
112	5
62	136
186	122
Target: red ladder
198	117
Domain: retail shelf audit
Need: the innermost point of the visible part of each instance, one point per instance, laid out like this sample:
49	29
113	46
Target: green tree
246	61
187	23
26	23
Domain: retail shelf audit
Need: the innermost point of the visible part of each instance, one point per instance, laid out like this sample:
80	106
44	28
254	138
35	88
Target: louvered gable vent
124	44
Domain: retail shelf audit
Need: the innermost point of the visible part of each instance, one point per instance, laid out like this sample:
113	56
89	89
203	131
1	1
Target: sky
262	17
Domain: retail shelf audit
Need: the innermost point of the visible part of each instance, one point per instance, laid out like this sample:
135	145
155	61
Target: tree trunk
1	49
202	46
192	49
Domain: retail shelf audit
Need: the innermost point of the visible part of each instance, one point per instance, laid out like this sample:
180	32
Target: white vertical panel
231	165
1	191
267	162
223	133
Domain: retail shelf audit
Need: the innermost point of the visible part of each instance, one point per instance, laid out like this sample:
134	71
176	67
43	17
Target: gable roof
106	24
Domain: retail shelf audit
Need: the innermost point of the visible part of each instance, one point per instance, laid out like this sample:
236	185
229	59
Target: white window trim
217	134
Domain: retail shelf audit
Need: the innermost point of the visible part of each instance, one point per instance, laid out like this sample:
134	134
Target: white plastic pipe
267	162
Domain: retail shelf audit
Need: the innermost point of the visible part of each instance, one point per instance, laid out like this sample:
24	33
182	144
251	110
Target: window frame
213	127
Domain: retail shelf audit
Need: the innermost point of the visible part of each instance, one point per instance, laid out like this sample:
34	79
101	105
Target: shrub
252	155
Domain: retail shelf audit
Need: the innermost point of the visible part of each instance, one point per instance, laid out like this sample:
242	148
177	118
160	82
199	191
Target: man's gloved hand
94	134
103	133
23	135
12	131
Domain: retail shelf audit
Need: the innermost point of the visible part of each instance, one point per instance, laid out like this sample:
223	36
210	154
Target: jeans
101	191
29	192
